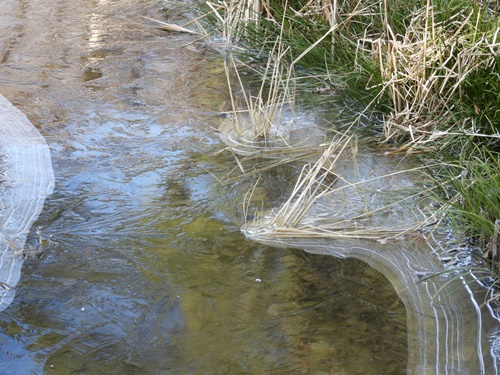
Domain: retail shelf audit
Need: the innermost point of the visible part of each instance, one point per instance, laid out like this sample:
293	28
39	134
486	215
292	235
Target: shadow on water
145	270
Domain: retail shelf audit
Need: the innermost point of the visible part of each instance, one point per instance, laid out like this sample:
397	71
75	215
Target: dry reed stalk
172	27
493	251
235	14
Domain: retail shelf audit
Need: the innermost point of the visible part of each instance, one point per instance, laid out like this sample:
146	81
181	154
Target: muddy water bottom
145	270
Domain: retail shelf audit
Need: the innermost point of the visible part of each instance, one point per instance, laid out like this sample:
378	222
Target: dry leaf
383	240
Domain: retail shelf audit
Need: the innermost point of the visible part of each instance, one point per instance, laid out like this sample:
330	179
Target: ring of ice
26	179
371	214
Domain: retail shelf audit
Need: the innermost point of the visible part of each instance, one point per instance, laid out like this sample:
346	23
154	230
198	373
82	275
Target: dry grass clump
426	72
264	124
342	196
264	110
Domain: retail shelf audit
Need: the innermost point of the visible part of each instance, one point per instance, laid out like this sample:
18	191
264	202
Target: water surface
145	269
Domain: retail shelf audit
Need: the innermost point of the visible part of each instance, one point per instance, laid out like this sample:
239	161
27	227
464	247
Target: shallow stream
145	269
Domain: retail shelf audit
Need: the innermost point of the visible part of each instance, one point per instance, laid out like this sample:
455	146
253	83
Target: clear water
146	271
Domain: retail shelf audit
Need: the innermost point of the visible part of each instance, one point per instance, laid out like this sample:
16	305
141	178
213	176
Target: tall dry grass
430	66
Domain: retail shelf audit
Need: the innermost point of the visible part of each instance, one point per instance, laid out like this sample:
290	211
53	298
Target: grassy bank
429	70
431	67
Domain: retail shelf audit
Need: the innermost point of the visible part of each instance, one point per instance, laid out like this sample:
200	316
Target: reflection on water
147	271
